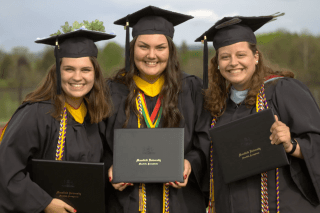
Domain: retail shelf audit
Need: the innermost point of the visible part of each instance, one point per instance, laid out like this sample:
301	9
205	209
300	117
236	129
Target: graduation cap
230	30
150	20
75	44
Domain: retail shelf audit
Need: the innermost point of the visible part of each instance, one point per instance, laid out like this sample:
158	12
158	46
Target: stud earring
218	67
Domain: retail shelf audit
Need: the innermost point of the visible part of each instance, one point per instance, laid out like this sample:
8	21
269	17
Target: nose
151	54
77	76
234	61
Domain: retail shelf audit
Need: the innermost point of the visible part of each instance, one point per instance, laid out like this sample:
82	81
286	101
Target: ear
256	56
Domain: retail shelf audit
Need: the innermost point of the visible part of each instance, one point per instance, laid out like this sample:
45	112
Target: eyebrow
149	45
68	66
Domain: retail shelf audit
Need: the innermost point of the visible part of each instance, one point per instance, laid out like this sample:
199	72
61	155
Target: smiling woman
57	121
152	81
240	84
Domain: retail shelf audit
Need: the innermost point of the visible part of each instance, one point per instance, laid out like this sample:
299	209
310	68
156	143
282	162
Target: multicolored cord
151	123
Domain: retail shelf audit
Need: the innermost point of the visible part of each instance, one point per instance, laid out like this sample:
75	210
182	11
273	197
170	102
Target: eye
161	48
143	47
224	57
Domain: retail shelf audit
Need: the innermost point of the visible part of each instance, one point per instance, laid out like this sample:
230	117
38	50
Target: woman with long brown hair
241	84
175	100
57	121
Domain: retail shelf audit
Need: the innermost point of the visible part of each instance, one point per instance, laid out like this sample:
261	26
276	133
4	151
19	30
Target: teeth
151	63
235	71
76	85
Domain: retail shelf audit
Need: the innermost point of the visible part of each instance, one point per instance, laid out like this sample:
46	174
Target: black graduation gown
190	198
300	181
33	133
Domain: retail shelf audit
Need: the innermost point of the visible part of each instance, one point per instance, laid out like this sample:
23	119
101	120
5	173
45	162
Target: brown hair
217	92
169	92
98	100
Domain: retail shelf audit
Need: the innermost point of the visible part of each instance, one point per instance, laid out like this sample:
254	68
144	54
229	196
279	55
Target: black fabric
299	183
188	199
153	20
230	30
205	64
33	133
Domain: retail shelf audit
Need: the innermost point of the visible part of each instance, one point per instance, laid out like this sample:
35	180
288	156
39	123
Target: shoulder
285	85
191	81
117	88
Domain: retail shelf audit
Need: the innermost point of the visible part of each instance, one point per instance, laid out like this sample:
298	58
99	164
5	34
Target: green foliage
6	66
111	58
8	105
95	25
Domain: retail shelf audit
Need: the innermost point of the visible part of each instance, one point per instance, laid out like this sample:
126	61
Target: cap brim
173	17
253	22
93	35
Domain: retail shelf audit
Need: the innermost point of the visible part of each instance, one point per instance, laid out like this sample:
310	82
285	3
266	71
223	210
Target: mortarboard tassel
205	63
127	47
56	49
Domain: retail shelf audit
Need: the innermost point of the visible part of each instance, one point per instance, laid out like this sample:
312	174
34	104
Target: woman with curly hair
57	121
238	79
153	72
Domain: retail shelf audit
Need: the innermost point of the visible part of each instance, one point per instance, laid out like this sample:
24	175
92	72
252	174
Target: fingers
186	174
69	208
110	173
276	118
121	186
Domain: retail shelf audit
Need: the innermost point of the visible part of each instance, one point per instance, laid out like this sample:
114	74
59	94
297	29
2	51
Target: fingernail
176	182
185	177
128	184
167	184
74	210
123	184
109	179
170	183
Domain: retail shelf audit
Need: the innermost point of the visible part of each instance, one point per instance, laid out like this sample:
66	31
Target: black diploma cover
148	155
79	184
244	148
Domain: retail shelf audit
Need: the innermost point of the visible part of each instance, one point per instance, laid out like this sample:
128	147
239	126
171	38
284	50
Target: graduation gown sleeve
296	107
25	135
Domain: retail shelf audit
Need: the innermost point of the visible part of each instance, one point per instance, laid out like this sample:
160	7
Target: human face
151	54
237	64
77	77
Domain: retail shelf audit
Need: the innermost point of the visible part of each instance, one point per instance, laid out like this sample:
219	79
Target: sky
22	21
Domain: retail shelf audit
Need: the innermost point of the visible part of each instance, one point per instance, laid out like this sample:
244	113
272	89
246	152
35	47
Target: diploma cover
79	184
244	148
148	155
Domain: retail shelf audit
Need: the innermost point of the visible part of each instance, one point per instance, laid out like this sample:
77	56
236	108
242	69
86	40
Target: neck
239	87
74	102
149	78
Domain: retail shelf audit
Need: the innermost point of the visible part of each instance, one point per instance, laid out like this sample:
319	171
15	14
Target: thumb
276	117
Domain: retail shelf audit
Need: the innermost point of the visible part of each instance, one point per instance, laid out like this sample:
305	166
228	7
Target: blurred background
290	43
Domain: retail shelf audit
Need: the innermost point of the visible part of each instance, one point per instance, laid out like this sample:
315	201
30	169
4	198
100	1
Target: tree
111	57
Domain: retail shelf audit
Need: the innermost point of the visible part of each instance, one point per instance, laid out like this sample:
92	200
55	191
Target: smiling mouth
77	86
235	71
151	62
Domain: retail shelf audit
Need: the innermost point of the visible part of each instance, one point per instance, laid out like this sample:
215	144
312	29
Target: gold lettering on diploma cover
68	194
250	153
148	162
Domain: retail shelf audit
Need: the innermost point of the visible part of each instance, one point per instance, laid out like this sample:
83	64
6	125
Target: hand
58	206
117	186
186	173
281	134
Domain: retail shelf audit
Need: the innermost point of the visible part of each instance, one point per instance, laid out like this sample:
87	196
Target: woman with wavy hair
57	121
241	84
153	72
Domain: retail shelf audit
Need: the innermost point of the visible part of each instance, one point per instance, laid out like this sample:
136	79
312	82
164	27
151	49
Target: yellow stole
150	90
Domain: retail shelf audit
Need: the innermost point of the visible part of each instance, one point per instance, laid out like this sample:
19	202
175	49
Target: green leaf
76	25
66	28
57	33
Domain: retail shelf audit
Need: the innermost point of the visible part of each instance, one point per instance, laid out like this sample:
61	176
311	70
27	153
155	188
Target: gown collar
151	90
238	96
78	114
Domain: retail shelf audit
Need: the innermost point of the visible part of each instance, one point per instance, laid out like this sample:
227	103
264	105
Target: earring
257	62
218	67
